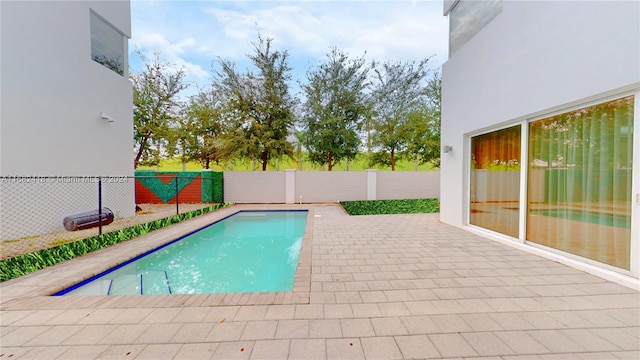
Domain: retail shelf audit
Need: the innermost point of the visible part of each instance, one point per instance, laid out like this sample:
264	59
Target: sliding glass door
579	182
578	190
495	181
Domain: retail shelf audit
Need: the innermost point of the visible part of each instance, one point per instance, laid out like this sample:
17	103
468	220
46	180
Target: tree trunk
265	158
415	164
329	163
393	160
206	165
347	163
143	145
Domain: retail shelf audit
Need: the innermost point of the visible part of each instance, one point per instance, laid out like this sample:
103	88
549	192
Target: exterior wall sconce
106	117
447	149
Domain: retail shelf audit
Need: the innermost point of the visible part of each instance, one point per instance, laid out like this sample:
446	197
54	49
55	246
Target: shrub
378	207
28	263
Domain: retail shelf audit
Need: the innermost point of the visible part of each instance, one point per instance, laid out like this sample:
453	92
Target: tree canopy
399	90
156	105
393	107
259	104
335	108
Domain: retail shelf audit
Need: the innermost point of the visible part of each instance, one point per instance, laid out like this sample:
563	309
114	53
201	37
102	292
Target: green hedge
24	264
378	207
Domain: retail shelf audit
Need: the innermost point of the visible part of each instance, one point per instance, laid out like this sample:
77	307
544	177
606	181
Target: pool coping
39	286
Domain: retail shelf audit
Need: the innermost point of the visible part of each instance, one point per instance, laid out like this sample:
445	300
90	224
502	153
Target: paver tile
250	313
521	342
589	340
555	341
326	328
81	352
356	327
121	351
388	326
21	335
292	329
380	348
344	349
192	333
196	351
233	350
280	312
487	344
158	334
307	349
620	338
337	311
417	347
452	345
259	330
54	335
270	349
393	309
309	311
159	351
226	331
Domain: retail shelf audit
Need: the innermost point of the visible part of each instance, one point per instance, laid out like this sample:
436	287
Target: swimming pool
250	251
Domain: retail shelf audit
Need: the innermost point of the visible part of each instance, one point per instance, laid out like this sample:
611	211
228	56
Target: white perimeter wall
328	186
52	94
533	58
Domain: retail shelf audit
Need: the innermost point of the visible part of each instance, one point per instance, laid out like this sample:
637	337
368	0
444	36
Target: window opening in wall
107	45
467	18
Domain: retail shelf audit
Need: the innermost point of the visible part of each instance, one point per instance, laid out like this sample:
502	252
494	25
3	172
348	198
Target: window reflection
107	45
579	186
467	18
495	181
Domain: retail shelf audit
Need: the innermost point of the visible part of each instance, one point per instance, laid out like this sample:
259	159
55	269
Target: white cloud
193	34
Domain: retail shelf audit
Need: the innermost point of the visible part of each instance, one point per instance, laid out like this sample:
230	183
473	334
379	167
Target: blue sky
193	34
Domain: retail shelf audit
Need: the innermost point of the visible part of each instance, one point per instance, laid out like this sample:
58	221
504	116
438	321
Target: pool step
155	282
147	282
94	288
128	284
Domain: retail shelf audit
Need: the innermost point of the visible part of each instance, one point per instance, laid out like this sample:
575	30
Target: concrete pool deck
368	287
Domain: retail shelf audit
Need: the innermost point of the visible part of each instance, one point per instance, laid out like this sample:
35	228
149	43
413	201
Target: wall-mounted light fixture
447	149
106	117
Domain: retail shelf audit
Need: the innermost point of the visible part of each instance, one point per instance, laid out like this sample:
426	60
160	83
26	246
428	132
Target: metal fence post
177	206
99	205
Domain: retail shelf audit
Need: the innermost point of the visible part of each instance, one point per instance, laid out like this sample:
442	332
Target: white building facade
540	101
66	108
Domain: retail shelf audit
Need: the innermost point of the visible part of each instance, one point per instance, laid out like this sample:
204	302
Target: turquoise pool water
251	251
621	221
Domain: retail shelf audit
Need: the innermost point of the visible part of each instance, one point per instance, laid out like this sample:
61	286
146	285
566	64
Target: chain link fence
38	212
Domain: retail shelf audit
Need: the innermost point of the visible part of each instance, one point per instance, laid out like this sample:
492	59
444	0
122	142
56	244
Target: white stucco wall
534	57
328	186
52	94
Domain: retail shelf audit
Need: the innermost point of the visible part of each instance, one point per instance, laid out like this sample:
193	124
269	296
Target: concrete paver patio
368	287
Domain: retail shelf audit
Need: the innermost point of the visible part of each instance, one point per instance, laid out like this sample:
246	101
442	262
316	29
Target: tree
156	105
260	106
203	128
335	108
399	89
422	130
